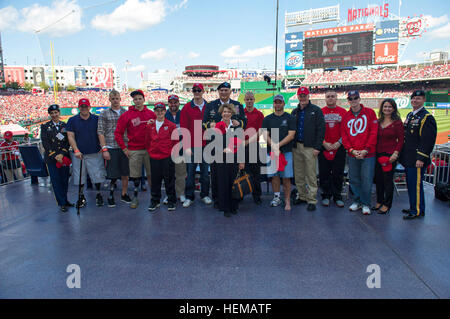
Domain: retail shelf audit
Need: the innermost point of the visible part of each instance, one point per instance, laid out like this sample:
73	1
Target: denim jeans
190	180
361	174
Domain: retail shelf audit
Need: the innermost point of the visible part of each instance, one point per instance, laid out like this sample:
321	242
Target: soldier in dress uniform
420	137
56	156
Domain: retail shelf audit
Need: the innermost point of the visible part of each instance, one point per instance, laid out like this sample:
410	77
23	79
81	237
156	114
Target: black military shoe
406	211
69	204
63	208
413	216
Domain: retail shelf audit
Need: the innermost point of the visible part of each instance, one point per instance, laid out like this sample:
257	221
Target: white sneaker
166	200
366	210
182	198
207	200
354	207
187	203
276	201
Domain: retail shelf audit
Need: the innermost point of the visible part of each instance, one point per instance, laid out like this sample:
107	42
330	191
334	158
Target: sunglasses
196	90
353	98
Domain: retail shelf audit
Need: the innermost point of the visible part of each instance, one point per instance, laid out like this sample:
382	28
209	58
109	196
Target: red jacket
360	132
159	144
134	122
188	115
9	150
233	143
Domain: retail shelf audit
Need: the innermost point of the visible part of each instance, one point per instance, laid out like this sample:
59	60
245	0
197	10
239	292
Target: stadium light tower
2	69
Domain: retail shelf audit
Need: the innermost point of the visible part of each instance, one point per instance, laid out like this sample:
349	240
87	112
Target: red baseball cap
159	105
281	161
198	85
329	155
84	102
173	97
8	134
303	90
386	166
137	92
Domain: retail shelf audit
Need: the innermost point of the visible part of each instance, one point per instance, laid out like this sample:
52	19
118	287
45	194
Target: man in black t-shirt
278	130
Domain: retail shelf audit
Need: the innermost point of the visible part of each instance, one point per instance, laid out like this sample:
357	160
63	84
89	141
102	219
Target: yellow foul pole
55	83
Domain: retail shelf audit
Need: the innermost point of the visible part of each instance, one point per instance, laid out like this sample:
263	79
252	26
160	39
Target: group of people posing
171	143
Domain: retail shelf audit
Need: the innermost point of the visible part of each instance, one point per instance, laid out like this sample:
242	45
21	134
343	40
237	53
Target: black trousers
385	183
163	169
214	190
331	175
254	169
226	173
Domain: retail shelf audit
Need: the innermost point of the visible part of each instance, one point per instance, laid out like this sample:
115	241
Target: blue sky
170	34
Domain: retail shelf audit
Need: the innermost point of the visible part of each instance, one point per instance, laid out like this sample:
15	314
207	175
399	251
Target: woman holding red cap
389	144
228	169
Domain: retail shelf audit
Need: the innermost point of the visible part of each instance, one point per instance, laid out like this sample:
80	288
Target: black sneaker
171	206
311	207
63	208
81	202
99	200
125	198
111	202
153	206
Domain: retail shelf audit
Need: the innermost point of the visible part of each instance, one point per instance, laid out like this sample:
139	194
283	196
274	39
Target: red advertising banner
386	53
339	30
14	74
102	77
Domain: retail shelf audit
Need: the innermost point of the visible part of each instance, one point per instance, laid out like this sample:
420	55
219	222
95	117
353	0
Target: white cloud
232	52
441	33
132	15
179	6
136	68
8	17
59	19
193	55
435	21
156	54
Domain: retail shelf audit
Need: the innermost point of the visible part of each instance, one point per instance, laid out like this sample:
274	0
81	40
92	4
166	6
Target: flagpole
55	84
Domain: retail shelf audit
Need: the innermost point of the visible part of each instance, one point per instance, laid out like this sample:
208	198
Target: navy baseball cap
224	85
278	97
53	107
418	93
353	93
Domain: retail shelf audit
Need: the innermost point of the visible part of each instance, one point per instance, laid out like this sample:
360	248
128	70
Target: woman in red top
228	169
389	144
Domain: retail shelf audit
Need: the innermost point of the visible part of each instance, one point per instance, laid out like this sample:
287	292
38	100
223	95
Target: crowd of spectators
378	75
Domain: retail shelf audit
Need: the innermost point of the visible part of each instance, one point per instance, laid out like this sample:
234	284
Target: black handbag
242	185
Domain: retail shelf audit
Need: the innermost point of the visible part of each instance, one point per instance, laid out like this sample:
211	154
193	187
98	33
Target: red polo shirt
254	120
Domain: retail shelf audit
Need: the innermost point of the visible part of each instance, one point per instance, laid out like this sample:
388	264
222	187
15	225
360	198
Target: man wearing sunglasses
191	117
212	116
359	131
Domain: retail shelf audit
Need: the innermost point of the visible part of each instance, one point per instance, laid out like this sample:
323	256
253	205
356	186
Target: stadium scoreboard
337	50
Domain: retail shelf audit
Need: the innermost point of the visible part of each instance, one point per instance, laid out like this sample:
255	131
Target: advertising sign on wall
102	77
38	75
14	74
80	77
294	41
294	60
387	31
386	53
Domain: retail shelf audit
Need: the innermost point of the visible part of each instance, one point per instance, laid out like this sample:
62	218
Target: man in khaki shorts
134	122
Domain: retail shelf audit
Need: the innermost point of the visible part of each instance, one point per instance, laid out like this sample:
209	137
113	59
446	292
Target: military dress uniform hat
224	85
418	93
53	107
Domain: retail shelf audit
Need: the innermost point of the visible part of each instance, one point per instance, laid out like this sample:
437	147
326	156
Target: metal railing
12	168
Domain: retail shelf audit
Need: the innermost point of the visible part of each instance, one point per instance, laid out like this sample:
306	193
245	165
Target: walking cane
79	187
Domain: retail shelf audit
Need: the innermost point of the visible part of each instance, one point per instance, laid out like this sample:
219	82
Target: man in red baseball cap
309	135
10	157
82	134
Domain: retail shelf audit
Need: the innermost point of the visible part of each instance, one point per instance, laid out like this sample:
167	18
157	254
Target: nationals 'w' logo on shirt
357	126
137	121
